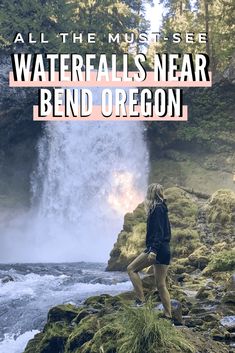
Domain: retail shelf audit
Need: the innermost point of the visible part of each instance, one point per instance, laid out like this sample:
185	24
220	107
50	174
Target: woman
157	251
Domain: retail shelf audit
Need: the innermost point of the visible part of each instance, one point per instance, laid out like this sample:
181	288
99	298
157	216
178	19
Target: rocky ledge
109	324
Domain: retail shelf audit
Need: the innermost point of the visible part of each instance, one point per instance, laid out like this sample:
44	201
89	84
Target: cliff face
18	138
196	223
200	153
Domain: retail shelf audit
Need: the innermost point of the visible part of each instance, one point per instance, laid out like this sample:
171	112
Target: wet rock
7	279
228	322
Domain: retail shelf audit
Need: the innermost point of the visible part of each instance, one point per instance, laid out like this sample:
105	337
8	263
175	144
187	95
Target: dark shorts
164	254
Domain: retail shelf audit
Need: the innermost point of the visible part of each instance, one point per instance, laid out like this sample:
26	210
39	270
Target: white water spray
89	175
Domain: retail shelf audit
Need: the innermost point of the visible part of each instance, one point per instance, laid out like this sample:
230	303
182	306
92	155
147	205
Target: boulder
229	297
199	258
228	322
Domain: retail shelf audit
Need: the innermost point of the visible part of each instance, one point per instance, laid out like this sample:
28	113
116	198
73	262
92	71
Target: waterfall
89	174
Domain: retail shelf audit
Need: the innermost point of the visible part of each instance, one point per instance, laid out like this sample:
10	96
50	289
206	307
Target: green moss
105	339
182	213
52	340
104	300
221	212
184	242
65	312
222	261
82	333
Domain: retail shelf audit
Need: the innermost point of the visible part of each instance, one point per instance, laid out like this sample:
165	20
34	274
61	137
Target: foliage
55	16
222	261
143	331
221	207
210	125
216	17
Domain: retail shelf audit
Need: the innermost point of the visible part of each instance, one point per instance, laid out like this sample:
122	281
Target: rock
228	322
176	308
229	298
51	340
220	334
231	283
7	279
131	240
220	214
104	301
84	313
199	258
93	329
82	333
205	292
222	261
65	313
192	321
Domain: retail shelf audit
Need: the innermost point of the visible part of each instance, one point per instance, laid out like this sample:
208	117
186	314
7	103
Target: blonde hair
155	195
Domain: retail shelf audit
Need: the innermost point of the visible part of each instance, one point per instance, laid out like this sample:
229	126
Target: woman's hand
152	256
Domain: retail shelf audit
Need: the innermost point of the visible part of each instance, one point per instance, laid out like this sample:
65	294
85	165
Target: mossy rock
34	343
183	210
82	333
220	212
66	312
104	301
104	340
221	262
52	340
199	258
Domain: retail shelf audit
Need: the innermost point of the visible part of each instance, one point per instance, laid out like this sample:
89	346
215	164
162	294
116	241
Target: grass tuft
143	331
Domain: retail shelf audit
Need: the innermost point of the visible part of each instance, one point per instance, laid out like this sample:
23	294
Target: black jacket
158	227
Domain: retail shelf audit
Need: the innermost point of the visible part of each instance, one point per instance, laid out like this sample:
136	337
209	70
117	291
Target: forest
216	18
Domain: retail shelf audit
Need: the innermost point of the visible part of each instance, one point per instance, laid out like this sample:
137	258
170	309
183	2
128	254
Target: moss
131	240
183	214
220	211
105	339
66	312
104	301
82	333
221	262
52	340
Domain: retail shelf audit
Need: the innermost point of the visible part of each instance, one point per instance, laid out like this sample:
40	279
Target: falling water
89	174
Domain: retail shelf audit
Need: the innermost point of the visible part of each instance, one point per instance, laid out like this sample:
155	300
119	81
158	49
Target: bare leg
141	262
160	272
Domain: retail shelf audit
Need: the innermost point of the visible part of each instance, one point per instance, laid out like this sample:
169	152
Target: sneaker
174	321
